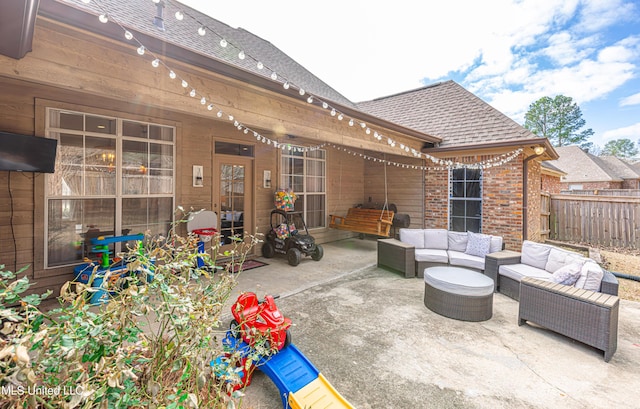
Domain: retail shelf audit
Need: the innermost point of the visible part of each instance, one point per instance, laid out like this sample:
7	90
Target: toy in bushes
251	316
285	200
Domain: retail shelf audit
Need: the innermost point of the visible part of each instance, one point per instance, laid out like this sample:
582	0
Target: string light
441	164
179	15
202	31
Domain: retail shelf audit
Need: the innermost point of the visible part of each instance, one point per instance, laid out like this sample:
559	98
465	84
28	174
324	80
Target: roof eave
76	17
549	153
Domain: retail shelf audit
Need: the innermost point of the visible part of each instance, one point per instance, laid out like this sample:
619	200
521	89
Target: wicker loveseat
586	311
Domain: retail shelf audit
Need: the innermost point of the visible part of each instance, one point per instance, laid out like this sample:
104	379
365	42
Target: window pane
473	225
69	220
161	181
136	129
474	208
100	175
457	174
457	189
473	174
457	224
154	215
473	189
161	133
457	208
315	211
135	154
100	125
68	120
317	154
161	156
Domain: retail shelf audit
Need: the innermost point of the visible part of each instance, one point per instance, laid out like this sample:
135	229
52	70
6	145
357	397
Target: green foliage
622	148
560	120
150	346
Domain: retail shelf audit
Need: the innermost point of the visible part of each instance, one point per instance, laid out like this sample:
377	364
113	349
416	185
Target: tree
622	148
560	120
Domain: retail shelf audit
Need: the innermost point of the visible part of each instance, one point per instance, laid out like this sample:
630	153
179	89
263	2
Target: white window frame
290	153
119	196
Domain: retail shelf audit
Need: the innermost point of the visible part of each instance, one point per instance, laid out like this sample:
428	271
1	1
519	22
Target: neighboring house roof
620	167
448	110
581	166
139	15
551	169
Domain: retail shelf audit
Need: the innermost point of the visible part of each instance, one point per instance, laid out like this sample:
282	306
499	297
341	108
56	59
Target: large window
305	174
112	177
465	200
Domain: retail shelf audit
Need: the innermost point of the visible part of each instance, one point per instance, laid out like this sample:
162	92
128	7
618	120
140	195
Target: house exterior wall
631	184
592	185
550	183
75	70
502	199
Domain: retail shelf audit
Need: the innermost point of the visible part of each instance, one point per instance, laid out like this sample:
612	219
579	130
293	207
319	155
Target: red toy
253	316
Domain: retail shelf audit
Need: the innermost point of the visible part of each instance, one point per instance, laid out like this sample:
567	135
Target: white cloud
631	132
631	100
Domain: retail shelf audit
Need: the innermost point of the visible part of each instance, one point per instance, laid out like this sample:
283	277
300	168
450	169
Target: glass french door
235	200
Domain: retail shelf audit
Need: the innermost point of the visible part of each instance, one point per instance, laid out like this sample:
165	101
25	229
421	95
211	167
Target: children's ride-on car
253	317
289	236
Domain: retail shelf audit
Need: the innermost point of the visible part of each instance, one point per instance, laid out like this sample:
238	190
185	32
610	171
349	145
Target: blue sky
509	53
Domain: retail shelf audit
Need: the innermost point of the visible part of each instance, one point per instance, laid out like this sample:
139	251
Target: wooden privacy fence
598	220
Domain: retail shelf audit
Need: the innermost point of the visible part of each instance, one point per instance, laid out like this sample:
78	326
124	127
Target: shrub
150	346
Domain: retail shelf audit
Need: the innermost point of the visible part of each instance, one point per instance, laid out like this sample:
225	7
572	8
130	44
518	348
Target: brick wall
550	184
502	199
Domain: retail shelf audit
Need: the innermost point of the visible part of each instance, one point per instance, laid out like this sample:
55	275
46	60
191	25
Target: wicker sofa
539	260
586	311
418	249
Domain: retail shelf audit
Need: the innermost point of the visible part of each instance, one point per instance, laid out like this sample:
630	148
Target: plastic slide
300	384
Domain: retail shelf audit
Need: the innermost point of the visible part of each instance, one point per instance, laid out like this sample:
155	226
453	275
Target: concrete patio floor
368	332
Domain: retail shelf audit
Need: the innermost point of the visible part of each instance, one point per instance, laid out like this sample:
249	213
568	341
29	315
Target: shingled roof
449	111
620	167
581	166
138	15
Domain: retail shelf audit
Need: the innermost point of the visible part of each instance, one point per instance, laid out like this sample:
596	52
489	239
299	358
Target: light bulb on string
230	117
363	125
219	114
351	122
210	107
241	55
202	31
325	105
285	85
260	65
310	100
155	63
333	112
223	43
340	117
301	91
274	75
192	93
184	84
179	15
203	100
140	50
86	1
172	75
128	35
103	18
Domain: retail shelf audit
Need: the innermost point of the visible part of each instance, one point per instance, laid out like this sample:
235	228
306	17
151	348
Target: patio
367	330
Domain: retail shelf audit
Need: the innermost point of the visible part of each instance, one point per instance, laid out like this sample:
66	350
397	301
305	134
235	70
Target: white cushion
459	258
415	237
496	244
590	276
457	240
478	244
517	271
432	255
458	281
559	258
567	275
436	239
535	254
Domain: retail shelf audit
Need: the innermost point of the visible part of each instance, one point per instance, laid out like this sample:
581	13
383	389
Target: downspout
539	150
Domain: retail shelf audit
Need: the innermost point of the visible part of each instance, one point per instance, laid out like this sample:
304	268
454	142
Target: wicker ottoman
458	293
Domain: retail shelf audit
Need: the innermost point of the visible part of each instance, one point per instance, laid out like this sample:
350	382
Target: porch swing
366	221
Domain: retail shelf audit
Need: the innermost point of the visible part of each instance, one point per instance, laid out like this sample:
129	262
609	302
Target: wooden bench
366	221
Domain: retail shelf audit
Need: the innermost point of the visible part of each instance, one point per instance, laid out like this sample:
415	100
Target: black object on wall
24	153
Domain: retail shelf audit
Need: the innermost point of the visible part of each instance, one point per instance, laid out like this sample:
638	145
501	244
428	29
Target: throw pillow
478	244
567	275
